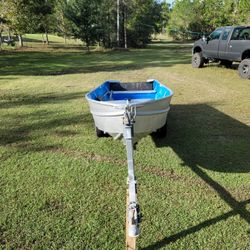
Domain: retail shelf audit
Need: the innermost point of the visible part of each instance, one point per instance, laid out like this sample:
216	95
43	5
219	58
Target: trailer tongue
133	211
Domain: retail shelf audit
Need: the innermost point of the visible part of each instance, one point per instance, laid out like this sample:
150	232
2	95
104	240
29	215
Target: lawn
62	188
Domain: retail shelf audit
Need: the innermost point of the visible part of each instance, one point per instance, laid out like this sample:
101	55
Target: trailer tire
198	60
99	133
244	69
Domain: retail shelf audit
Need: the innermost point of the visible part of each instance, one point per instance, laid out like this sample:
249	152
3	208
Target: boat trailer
115	107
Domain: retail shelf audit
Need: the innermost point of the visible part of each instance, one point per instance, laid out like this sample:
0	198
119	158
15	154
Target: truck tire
99	133
244	69
226	63
198	60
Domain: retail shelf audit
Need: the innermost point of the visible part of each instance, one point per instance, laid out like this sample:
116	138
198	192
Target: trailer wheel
226	63
198	60
99	133
244	69
162	132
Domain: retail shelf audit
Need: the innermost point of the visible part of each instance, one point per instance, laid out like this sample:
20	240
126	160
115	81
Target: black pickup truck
226	45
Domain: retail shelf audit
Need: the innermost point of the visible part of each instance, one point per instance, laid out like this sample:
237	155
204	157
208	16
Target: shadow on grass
11	101
203	136
8	78
163	41
194	229
235	66
20	133
66	62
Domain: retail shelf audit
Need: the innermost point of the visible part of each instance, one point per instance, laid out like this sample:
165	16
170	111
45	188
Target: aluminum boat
149	102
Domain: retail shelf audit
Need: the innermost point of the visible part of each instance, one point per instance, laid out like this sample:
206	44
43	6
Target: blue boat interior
115	90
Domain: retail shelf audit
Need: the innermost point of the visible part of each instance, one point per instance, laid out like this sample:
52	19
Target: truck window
244	34
241	34
216	34
226	33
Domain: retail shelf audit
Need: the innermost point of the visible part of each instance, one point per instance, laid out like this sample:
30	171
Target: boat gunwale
105	103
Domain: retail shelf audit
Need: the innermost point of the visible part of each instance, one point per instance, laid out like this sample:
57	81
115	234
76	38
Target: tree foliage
42	12
95	21
63	26
84	16
15	15
26	16
192	17
144	18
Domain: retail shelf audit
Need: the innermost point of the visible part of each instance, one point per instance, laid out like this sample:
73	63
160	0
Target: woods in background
190	18
93	22
118	23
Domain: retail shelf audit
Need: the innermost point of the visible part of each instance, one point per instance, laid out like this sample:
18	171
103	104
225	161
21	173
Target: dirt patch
154	170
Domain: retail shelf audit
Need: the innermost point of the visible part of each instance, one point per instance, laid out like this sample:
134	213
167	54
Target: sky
168	1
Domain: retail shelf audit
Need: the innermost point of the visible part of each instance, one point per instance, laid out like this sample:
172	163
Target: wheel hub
245	69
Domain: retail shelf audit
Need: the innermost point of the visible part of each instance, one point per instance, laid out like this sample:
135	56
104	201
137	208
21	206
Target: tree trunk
118	23
1	40
9	35
125	31
46	37
20	38
65	39
109	33
88	50
87	42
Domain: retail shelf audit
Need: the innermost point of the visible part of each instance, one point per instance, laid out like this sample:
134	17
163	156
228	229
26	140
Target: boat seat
131	86
134	92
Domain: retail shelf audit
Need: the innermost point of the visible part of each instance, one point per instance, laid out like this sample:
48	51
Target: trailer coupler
134	218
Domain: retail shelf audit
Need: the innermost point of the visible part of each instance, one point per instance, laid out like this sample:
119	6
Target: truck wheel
244	69
198	60
99	133
226	63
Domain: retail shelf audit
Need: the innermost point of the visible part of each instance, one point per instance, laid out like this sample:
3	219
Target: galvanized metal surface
151	115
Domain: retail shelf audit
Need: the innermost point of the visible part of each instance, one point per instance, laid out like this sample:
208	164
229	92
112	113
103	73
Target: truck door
235	44
212	46
223	44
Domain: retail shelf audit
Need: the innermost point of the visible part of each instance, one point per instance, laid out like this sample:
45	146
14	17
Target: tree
95	21
106	23
217	13
17	16
204	16
63	24
2	22
83	14
141	21
42	12
182	18
160	15
244	10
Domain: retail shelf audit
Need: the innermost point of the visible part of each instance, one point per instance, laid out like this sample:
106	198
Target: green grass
61	188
